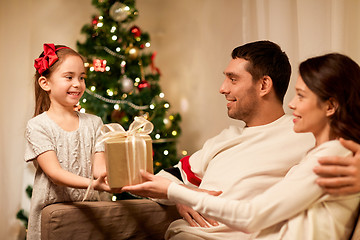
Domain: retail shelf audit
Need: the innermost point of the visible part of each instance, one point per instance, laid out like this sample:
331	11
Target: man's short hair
266	59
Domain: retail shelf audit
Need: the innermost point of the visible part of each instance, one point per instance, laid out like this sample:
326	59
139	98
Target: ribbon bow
43	63
140	126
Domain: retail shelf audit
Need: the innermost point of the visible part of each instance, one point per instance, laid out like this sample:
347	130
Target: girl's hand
153	187
101	184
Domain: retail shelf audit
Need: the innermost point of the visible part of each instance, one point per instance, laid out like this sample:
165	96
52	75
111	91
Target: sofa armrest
124	219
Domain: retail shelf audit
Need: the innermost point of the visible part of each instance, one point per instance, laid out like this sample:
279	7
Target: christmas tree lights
122	79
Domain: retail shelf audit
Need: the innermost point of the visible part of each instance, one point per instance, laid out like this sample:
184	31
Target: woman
327	104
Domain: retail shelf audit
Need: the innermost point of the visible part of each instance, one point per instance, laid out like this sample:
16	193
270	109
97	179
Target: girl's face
310	114
67	82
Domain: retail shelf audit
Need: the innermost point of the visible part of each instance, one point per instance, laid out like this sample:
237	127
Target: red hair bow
43	63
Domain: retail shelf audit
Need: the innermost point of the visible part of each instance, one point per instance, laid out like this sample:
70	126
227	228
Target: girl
327	104
60	141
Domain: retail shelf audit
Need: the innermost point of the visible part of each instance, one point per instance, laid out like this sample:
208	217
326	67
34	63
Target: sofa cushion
124	219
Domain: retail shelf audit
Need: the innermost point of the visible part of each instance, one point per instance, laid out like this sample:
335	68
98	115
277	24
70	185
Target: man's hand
340	175
194	218
153	187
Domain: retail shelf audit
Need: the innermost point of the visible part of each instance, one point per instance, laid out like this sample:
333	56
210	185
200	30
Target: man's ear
44	83
332	106
266	85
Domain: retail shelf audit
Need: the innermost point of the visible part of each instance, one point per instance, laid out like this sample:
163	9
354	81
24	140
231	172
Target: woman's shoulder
331	148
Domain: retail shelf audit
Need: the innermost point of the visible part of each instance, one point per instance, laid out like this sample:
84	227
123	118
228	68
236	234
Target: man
246	160
243	161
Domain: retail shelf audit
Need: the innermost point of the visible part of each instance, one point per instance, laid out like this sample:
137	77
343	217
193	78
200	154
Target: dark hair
266	59
42	100
335	76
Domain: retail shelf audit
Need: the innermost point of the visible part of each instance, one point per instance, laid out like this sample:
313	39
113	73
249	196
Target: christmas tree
122	79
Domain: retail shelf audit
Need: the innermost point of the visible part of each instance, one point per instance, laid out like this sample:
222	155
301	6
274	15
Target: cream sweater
294	208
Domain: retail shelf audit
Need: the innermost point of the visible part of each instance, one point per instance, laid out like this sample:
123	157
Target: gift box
127	152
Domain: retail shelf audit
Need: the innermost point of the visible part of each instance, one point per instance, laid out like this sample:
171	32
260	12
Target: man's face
240	91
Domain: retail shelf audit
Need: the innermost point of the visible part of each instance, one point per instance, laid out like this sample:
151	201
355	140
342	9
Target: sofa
124	219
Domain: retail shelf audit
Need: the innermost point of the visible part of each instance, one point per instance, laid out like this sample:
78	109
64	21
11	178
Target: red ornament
135	30
95	21
99	65
143	84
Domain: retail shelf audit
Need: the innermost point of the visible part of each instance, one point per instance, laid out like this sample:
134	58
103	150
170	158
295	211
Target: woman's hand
153	187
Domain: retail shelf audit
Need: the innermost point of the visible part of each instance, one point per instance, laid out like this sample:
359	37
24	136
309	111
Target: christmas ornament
143	84
119	11
135	30
132	51
99	65
127	84
95	21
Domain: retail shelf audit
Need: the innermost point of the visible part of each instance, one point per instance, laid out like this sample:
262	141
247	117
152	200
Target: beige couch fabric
124	219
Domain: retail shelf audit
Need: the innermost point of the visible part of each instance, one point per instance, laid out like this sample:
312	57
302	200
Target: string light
107	68
91	69
184	152
112	101
82	110
147	44
166	105
99	24
137	80
174	133
116	106
157	136
166	152
152	106
109	92
93	88
161	95
84	100
113	198
132	51
118	49
113	29
114	37
171	117
86	64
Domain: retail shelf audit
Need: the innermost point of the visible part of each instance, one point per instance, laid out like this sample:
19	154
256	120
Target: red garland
152	64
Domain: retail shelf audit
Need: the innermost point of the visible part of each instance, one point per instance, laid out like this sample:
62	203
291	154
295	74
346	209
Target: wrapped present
127	152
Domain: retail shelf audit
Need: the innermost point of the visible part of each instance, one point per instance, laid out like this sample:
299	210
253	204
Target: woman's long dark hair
337	77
